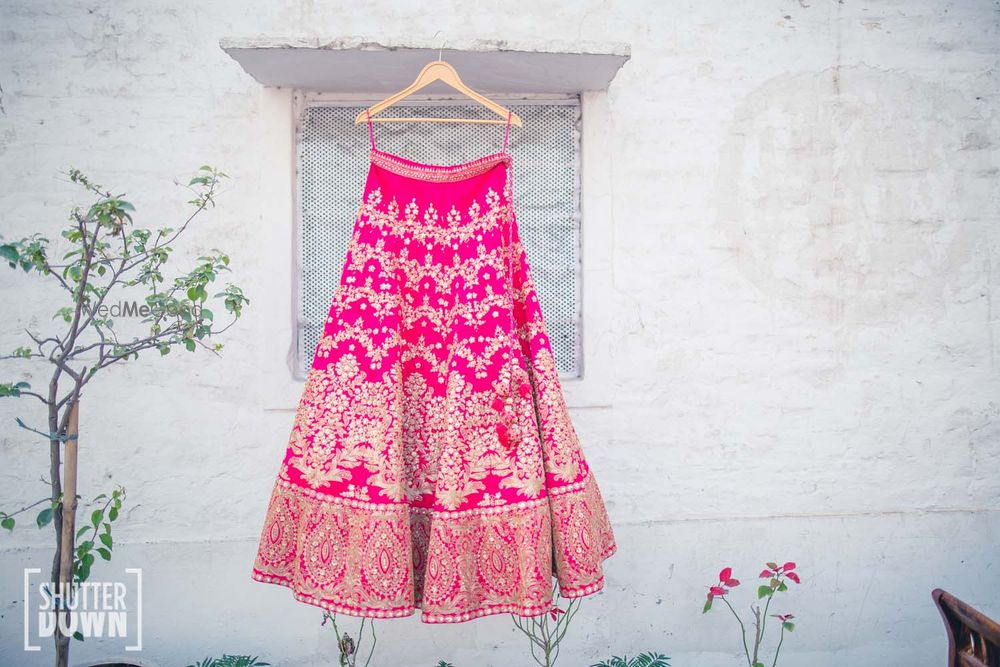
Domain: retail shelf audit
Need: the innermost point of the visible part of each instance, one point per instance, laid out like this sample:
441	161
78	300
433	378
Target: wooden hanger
438	70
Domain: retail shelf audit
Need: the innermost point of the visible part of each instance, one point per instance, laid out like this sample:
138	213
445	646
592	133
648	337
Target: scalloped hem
589	589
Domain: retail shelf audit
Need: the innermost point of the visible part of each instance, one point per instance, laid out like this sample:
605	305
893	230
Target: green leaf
10	390
106	540
78	635
113	513
7	522
44	517
96	517
9	252
105	554
708	605
190	345
764	591
788	625
80	532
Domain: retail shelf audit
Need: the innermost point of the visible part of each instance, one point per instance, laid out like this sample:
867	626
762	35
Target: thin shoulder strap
371	132
506	132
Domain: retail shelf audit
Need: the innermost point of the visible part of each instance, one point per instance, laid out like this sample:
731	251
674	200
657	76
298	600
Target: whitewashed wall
799	204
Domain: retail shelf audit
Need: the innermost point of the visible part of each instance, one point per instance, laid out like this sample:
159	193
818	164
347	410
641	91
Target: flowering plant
776	576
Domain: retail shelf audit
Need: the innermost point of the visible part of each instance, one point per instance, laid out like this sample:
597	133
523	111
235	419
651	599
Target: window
332	157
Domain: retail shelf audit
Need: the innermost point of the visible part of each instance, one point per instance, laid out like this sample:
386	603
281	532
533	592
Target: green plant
641	660
546	631
444	664
231	661
348	646
776	576
100	533
102	256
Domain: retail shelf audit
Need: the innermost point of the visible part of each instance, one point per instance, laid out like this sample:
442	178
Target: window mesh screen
333	164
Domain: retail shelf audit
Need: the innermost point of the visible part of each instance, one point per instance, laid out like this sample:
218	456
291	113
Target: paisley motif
323	559
385	567
498	561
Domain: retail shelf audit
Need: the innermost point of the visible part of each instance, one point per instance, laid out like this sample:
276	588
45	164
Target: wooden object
437	70
973	638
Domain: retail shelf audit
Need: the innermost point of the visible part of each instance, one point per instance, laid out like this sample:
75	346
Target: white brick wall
799	202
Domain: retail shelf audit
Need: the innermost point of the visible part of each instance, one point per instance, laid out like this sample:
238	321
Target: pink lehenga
432	463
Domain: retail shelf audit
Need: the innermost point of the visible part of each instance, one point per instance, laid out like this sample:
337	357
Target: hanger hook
440	48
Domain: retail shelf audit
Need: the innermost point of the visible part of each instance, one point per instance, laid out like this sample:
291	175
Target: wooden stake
67	537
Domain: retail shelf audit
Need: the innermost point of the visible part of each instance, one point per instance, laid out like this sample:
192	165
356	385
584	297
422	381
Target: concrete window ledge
355	64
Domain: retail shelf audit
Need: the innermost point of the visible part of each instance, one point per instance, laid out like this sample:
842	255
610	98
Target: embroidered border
352	559
437	173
